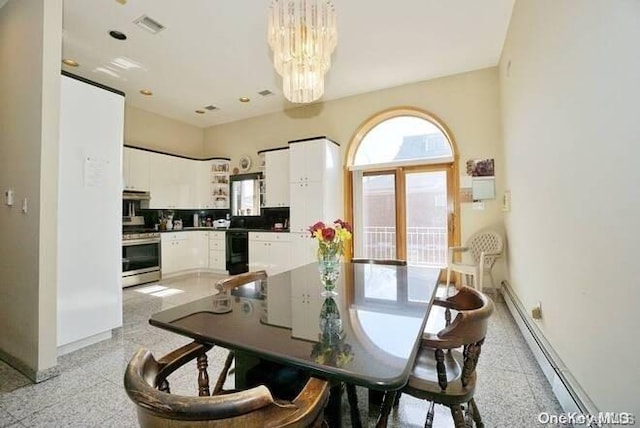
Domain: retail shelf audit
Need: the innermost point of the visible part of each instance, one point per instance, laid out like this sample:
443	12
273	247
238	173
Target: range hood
131	195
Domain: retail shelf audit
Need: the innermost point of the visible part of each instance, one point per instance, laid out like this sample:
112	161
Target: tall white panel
89	211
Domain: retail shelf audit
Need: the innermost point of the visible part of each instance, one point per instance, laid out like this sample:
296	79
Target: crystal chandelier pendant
302	35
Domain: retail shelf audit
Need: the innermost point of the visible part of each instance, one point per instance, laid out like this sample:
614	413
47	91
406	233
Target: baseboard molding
567	390
78	344
35	376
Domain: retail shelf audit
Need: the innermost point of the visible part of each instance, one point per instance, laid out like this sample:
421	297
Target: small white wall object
483	188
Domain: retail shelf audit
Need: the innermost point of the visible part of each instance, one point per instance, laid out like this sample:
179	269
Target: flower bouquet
331	244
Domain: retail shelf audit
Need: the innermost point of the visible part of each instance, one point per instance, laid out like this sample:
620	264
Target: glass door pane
379	216
426	208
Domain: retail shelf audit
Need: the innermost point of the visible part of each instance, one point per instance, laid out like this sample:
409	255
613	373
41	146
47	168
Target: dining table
366	332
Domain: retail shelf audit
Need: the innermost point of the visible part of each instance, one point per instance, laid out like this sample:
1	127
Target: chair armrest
309	403
430	340
443	303
179	357
452	250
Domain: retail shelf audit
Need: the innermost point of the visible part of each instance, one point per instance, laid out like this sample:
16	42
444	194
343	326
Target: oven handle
130	242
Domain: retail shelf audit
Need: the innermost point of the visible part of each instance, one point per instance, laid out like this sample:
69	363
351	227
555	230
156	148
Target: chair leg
223	374
353	406
203	376
429	422
458	416
475	413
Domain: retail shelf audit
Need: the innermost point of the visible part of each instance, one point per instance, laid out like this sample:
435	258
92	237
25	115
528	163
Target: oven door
140	261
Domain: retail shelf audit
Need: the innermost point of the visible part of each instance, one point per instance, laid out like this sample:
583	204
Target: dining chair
146	384
449	378
485	247
224	287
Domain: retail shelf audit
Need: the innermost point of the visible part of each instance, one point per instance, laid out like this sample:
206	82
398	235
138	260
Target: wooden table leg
387	405
333	411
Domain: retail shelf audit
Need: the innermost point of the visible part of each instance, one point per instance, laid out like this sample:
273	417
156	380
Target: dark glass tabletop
367	334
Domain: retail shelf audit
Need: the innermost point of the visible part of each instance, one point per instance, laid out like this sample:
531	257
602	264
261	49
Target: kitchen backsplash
269	217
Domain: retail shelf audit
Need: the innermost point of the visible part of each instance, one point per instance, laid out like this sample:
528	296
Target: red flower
328	234
318	226
344	225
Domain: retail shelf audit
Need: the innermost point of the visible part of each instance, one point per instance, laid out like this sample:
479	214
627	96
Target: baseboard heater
571	396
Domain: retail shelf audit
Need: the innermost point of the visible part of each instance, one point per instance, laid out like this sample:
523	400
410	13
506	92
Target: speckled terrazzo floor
512	390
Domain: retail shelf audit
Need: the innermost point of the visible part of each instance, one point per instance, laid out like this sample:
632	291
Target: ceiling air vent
265	93
149	24
211	107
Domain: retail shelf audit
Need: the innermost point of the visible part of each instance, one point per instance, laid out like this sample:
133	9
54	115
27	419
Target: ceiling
212	52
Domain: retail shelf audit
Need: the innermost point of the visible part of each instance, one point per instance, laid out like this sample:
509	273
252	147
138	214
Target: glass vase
329	267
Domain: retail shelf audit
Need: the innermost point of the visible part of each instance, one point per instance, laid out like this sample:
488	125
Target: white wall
152	131
570	103
29	108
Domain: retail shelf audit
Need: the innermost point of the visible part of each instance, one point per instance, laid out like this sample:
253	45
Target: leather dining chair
449	378
146	384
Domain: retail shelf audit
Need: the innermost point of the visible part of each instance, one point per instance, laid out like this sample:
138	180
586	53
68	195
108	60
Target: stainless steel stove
140	256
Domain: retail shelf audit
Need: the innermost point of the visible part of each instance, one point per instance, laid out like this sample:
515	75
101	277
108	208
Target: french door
404	213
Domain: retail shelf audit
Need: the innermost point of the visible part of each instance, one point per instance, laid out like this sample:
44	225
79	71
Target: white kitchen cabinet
184	251
276	178
303	249
217	251
269	251
315	186
175	252
136	169
172	182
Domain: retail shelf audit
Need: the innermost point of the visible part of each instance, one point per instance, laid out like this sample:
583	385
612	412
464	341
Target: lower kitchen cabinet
184	251
269	251
304	249
217	251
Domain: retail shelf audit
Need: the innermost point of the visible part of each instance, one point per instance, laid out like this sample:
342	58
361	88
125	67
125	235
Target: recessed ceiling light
146	92
70	62
200	111
244	99
118	35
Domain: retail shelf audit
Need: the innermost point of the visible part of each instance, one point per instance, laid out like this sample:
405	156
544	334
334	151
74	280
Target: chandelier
302	35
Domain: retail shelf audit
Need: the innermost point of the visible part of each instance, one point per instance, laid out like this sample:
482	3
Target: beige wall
29	108
570	104
151	131
467	103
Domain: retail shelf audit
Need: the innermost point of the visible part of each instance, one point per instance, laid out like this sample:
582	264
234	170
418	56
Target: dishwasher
237	251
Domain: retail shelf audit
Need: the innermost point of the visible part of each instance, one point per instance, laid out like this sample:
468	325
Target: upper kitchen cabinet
172	183
135	169
314	182
276	171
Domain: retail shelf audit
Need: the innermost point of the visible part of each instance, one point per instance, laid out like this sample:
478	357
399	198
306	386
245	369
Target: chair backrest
250	408
488	241
392	262
232	282
470	324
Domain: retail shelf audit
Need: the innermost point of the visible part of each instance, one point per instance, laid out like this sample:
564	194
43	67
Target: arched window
403	177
